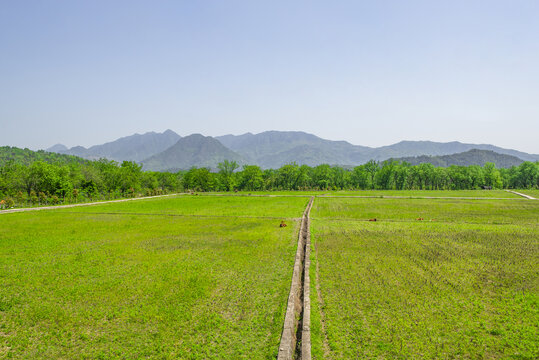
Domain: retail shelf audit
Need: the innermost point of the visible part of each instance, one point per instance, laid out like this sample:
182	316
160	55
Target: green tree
322	177
360	177
527	175
385	175
475	173
251	178
226	172
130	176
304	177
341	177
401	176
371	167
288	176
199	179
492	176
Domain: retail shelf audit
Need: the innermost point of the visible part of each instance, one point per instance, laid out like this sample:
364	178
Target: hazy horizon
370	73
184	135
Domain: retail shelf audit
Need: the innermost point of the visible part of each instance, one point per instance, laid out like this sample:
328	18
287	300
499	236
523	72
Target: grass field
204	206
427	193
444	210
88	284
467	287
208	277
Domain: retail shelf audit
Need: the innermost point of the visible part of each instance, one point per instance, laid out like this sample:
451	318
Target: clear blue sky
369	72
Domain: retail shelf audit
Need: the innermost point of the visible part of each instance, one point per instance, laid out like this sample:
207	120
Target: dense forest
470	157
38	178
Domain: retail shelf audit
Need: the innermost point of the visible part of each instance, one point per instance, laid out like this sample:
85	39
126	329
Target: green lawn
411	290
89	285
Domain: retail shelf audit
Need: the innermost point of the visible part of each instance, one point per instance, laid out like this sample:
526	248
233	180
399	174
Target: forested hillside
272	149
37	178
27	156
472	157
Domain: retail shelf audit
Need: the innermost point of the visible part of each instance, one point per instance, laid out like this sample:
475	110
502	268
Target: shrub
9	203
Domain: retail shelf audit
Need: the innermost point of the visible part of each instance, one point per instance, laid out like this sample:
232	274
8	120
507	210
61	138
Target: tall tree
372	168
251	178
491	175
226	171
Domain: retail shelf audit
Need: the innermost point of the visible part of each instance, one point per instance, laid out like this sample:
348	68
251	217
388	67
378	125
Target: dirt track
521	194
77	205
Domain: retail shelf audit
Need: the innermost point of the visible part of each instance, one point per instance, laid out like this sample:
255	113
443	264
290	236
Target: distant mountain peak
136	147
57	148
193	150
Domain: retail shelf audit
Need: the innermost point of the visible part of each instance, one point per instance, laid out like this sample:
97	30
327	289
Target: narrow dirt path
81	204
296	336
521	194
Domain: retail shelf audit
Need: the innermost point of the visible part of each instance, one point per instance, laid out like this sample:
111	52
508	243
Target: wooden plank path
296	335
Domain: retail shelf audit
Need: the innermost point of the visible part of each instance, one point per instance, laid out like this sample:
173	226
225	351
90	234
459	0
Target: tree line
43	183
40	182
387	175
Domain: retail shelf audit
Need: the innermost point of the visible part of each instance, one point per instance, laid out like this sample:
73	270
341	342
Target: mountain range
132	148
470	157
272	149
